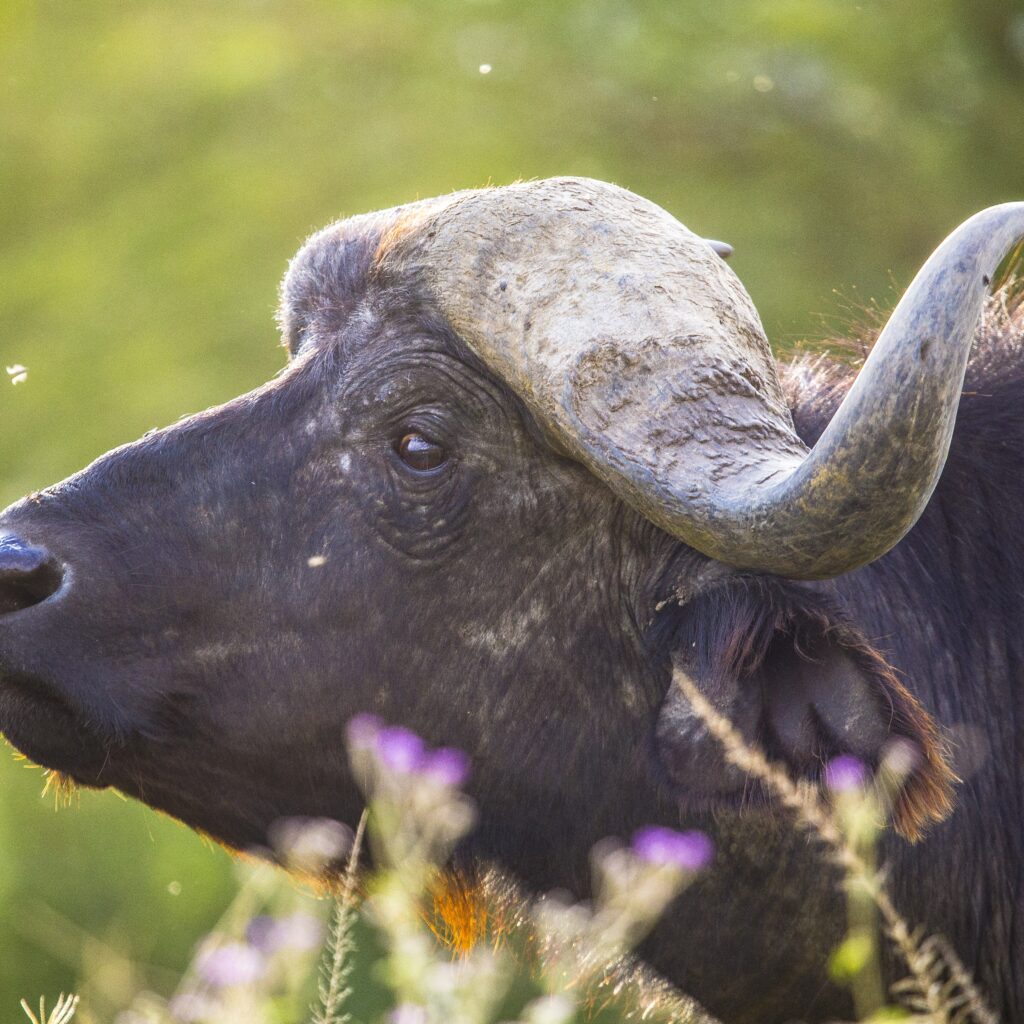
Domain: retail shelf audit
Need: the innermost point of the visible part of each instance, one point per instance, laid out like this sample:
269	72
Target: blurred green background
160	162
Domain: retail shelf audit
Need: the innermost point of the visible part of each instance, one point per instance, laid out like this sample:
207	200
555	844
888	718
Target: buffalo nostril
28	575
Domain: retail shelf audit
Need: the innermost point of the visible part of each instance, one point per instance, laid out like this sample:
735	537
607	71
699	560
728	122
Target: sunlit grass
62	1012
62	788
337	967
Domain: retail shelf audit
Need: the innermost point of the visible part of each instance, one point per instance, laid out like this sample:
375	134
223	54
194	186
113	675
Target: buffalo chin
43	728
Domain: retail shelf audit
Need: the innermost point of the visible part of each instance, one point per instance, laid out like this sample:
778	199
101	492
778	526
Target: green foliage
851	956
159	163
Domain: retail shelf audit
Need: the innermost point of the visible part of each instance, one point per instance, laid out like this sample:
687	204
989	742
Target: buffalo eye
420	454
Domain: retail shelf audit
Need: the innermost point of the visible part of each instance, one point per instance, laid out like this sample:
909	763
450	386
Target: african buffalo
530	449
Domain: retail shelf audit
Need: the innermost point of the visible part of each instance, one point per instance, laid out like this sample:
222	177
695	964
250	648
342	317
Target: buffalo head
529	448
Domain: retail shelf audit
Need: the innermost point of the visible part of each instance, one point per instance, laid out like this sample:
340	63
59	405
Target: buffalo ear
798	680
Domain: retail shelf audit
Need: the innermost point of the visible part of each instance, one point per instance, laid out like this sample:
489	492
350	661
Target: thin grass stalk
61	1014
334	990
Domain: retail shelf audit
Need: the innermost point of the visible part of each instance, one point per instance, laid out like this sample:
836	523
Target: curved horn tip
873	470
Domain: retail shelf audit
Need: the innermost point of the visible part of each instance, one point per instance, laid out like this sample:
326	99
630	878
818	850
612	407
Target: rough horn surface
640	352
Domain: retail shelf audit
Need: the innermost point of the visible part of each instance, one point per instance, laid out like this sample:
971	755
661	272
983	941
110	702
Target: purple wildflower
362	731
190	1007
261	933
310	844
299	931
408	1013
230	965
846	774
901	757
403	752
400	750
448	766
690	850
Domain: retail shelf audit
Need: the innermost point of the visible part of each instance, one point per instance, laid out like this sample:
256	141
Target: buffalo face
193	618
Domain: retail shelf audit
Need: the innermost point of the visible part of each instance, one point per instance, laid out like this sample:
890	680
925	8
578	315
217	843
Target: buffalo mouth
45	728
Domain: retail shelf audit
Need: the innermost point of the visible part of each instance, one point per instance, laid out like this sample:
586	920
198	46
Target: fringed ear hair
795	678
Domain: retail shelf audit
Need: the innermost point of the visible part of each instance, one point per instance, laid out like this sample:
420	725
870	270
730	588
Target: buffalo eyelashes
420	454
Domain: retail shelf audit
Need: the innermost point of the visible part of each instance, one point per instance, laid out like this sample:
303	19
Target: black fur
945	607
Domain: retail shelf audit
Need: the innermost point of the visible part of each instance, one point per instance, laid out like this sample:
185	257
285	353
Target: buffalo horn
636	347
